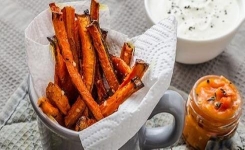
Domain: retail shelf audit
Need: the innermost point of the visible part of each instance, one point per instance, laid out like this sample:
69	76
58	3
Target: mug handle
151	138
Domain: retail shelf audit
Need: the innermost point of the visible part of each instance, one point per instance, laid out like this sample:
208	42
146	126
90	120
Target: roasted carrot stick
127	52
138	70
60	68
75	112
112	103
50	110
78	45
59	28
101	90
94	10
57	97
121	67
88	52
103	55
69	20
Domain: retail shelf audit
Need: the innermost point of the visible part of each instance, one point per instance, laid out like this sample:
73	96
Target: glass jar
214	107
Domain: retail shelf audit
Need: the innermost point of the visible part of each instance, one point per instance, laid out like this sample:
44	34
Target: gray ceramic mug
57	137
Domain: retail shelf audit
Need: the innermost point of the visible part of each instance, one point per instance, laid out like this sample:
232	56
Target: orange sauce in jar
213	110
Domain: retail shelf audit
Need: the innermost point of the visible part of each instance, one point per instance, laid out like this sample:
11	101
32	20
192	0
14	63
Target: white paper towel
157	46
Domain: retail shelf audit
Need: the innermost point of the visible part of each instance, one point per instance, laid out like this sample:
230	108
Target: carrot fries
127	52
89	82
61	35
103	55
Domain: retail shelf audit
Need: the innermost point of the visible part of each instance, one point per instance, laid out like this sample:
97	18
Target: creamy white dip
198	19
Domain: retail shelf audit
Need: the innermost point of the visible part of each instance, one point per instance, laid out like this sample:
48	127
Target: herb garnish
208	81
223	92
212	98
225	12
217	105
191	28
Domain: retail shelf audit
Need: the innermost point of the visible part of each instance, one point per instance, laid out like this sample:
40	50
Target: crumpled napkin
157	46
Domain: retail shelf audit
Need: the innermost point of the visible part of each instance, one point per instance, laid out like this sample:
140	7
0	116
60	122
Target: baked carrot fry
69	20
78	45
101	90
61	35
103	55
54	49
127	52
83	123
138	70
60	68
57	97
94	10
121	67
112	103
88	52
75	112
50	110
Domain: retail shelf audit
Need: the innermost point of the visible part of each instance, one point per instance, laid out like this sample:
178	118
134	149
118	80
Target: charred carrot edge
127	52
59	28
120	65
103	55
94	10
138	70
75	112
69	20
112	104
50	110
57	97
88	52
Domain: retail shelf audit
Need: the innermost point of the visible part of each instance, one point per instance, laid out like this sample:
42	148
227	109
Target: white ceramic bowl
199	51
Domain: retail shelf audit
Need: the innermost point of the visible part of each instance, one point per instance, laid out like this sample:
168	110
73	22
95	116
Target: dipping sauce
213	111
198	19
